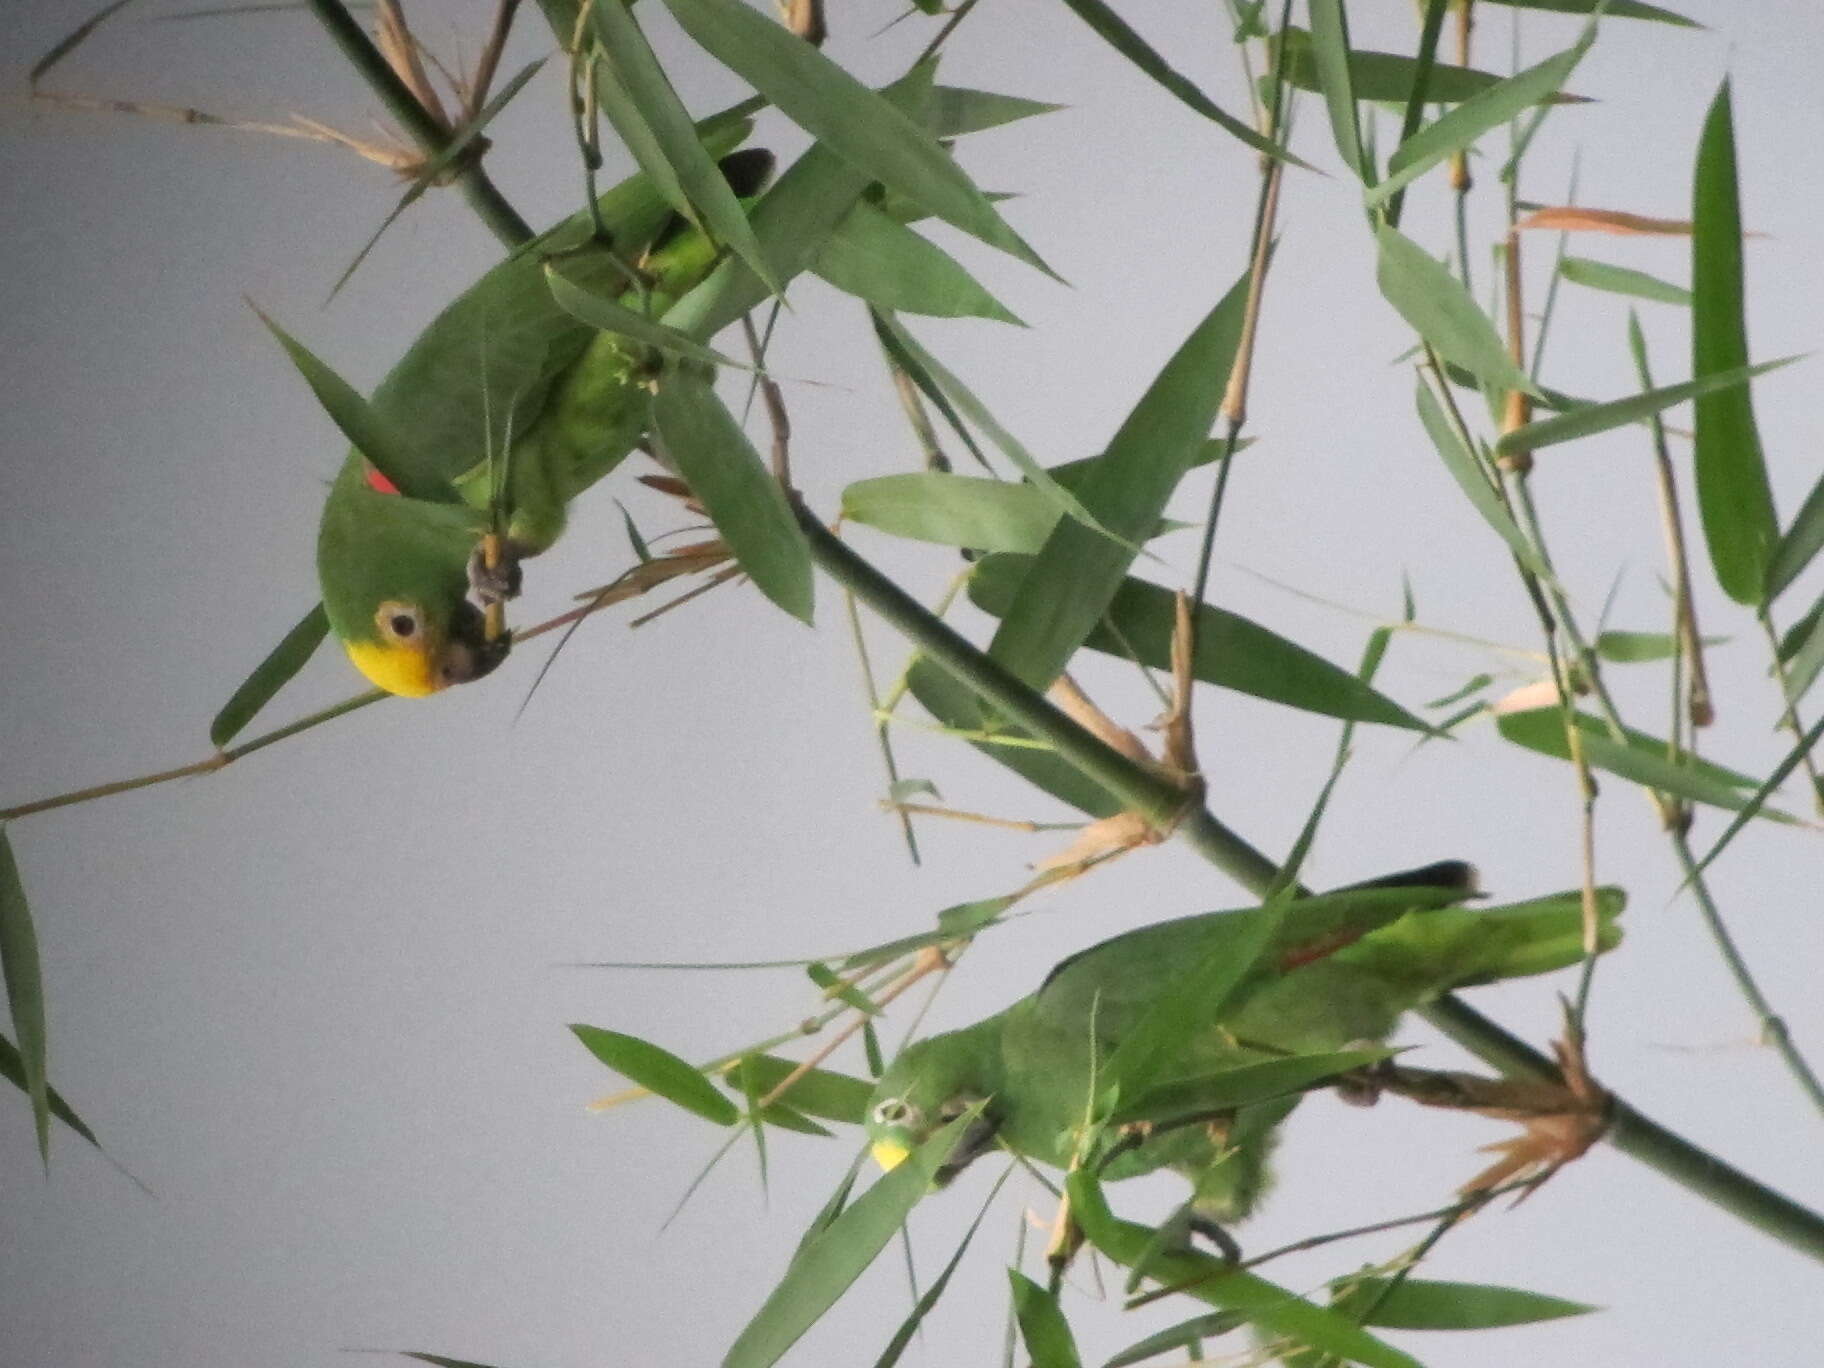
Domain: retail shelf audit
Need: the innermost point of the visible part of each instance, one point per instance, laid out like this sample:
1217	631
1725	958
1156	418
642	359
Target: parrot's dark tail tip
1457	875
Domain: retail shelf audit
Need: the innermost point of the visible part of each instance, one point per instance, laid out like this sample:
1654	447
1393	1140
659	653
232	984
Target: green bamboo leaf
1475	684
876	258
956	706
1493	107
382	442
1118	34
281	666
1184	1335
660	1071
745	502
964	399
24	992
597	304
1633	648
1807	654
821	1092
964	919
896	1347
1328	57
1755	804
1387	77
1435	303
72	40
1587	422
1615	9
1641	758
792	221
1274	1309
1072	580
440	1360
1733	496
953	510
840	112
1210	1094
1044	1330
12	1069
1600	275
1799	544
1467	472
1233	652
681	163
1423	1304
830	1260
956	111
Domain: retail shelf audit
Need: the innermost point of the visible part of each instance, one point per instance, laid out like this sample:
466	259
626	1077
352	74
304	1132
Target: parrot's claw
1216	1235
494	583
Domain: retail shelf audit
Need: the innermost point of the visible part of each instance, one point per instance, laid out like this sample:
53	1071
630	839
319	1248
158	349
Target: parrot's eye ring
894	1111
398	622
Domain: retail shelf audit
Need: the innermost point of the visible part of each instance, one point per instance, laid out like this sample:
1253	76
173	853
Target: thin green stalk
432	138
1643	1139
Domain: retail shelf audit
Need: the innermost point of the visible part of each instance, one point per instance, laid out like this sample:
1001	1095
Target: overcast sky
317	1003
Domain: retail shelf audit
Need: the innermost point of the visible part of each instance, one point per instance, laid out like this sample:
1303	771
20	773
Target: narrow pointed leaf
956	111
840	112
953	510
12	1069
829	1261
1274	1309
1587	422
1233	652
1044	1330
1621	280
24	991
896	1347
1456	130
1632	648
440	1360
1422	1304
659	1070
1332	63
1241	1086
1467	472
876	258
821	1092
1435	303
383	443
727	476
1615	9
1733	496
1753	807
279	668
1387	77
710	201
1799	544
1118	34
1071	581
1641	759
1807	655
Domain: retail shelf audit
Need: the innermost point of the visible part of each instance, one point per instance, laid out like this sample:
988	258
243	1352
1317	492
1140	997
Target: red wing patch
379	483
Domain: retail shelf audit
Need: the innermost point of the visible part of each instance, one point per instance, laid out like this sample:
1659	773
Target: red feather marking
379	483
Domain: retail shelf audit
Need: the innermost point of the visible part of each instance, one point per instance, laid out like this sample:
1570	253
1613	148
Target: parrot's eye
894	1111
398	622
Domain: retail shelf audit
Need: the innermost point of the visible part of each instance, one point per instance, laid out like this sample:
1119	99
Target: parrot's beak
978	1138
889	1154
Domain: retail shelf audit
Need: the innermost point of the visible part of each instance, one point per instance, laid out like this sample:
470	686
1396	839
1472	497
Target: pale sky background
316	1002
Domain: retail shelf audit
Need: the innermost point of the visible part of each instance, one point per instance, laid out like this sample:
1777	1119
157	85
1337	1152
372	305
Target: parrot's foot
1216	1235
498	582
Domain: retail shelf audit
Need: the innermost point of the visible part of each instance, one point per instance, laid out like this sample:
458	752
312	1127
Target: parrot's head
415	648
930	1085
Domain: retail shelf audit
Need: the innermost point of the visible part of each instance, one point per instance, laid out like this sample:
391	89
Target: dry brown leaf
1102	840
1076	705
1574	218
1542	693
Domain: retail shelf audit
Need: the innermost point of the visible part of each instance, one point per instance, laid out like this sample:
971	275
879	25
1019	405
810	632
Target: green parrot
1340	969
503	379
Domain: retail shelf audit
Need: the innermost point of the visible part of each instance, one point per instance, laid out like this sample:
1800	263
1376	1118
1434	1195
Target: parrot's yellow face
412	655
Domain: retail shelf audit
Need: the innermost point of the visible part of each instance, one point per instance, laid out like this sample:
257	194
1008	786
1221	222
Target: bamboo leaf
279	668
1755	804
1633	648
1387	77
1621	280
830	1260
1456	130
1072	580
1733	496
681	163
1435	303
1587	422
726	474
896	1347
12	1069
820	1092
1042	1325
1806	656
956	111
587	303
660	1071
1799	544
1615	9
24	979
1467	472
1118	34
1333	64
1640	758
864	129
1422	1304
874	257
1271	1307
1210	1094
1232	651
